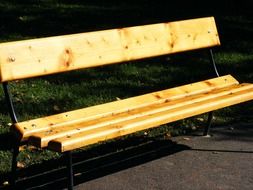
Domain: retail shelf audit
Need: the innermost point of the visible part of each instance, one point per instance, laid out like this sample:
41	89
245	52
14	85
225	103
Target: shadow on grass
46	18
97	162
6	141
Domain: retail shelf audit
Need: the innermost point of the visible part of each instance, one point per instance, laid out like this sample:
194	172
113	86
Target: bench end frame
210	114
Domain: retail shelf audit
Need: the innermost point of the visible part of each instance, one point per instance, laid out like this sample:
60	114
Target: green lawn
77	89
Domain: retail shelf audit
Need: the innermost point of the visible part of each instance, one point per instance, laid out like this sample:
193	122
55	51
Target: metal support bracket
15	153
213	62
210	114
16	142
9	103
69	166
209	123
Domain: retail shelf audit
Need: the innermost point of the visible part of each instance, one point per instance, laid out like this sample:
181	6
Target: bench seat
71	130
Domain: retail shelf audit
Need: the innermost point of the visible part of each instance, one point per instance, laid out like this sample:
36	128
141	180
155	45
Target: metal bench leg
14	164
209	123
70	170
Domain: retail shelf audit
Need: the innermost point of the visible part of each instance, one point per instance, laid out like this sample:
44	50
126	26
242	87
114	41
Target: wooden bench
71	130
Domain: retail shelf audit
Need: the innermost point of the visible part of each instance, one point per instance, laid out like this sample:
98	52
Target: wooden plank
82	139
44	56
27	128
102	124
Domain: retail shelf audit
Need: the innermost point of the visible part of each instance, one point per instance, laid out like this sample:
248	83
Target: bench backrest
43	56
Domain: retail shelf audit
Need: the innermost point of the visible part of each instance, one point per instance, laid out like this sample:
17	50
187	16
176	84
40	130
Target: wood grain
27	128
36	57
70	142
106	123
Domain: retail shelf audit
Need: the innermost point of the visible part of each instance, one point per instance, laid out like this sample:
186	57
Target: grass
62	92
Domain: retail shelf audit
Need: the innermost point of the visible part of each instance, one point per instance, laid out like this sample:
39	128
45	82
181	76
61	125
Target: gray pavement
224	161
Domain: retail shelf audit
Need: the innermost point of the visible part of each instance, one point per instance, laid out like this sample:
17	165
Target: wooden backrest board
43	56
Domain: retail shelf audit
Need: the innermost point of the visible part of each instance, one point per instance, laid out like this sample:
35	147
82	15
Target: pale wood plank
27	128
104	124
82	139
44	56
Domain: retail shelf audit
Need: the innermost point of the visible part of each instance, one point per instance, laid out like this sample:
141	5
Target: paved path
224	161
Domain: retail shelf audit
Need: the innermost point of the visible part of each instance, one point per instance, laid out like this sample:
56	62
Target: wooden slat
44	56
27	128
102	124
81	139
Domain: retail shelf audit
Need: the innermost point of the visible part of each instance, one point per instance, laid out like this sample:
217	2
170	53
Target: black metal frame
69	167
8	99
16	140
211	57
210	114
16	144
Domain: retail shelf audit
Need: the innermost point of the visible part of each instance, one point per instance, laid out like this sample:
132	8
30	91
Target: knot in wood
12	59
